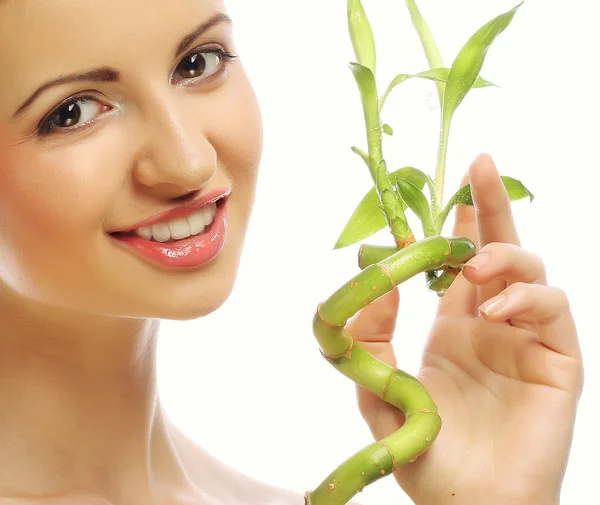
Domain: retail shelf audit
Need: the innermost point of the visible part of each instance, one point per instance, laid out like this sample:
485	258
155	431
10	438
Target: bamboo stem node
391	456
307	498
386	270
346	354
385	388
325	322
449	255
402	243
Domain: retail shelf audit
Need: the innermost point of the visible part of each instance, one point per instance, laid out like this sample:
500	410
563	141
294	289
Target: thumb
373	328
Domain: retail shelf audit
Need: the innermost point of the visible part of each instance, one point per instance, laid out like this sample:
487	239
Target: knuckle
485	248
521	293
561	296
504	250
539	262
580	380
576	373
492	246
521	286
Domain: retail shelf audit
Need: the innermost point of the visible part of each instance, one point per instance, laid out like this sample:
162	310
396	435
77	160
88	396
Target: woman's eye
81	111
201	64
72	114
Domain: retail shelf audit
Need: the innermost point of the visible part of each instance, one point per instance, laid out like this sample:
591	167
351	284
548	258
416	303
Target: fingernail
478	261
493	305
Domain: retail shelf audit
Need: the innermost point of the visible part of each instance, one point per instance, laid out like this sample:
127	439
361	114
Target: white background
248	382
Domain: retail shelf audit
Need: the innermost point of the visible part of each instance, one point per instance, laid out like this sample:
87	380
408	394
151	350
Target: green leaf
367	218
415	177
366	86
515	189
387	129
431	51
362	154
483	83
468	62
441	74
361	35
417	202
436	74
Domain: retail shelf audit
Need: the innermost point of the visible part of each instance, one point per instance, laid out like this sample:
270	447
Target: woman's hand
506	382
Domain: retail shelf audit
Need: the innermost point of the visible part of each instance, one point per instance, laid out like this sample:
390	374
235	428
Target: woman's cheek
53	197
52	207
240	153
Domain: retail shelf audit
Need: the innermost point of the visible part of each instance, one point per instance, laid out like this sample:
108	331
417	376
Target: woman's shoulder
224	483
245	490
231	486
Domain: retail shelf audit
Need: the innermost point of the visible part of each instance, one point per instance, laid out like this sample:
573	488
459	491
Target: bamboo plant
383	268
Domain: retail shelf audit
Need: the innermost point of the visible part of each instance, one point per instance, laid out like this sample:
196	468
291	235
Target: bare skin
81	422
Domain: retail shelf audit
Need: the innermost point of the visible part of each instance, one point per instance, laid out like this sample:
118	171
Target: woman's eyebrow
105	74
108	74
188	40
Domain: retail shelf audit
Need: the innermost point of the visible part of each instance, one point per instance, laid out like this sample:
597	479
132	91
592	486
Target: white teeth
160	232
196	222
179	228
144	232
208	214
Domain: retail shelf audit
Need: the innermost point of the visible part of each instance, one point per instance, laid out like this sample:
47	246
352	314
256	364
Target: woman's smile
189	251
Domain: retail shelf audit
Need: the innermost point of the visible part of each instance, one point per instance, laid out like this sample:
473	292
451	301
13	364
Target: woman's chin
192	307
180	304
189	313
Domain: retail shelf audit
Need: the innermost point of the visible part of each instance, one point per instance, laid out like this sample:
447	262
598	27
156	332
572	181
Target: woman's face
148	129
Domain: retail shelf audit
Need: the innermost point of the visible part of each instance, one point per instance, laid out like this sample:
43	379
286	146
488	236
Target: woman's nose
177	156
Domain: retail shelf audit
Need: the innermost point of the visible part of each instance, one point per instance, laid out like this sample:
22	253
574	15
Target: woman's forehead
27	22
54	29
40	39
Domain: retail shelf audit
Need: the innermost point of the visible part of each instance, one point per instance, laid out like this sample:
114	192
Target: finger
464	218
493	214
542	309
373	328
376	322
382	418
504	261
461	297
492	205
518	354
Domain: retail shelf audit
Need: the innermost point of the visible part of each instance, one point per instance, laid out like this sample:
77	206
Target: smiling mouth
195	224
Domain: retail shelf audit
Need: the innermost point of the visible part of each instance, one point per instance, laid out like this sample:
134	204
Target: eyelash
45	126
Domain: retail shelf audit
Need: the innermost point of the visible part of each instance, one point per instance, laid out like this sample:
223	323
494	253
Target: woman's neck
79	408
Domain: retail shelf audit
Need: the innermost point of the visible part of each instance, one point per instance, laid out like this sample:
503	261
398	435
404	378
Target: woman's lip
181	211
190	252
